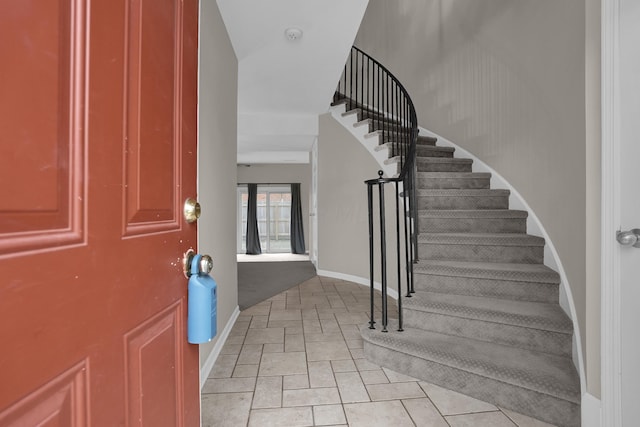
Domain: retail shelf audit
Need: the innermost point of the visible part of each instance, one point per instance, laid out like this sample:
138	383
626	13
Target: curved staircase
484	319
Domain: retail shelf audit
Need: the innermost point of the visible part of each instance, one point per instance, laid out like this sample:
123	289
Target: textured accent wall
505	80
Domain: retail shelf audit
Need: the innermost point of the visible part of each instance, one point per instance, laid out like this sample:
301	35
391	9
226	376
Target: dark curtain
297	230
253	236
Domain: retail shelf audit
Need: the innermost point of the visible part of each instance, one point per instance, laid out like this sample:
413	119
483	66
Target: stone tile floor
297	360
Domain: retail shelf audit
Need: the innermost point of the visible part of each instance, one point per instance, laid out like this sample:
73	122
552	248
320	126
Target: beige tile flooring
297	360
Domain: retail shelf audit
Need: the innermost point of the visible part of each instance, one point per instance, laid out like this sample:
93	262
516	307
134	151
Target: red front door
98	124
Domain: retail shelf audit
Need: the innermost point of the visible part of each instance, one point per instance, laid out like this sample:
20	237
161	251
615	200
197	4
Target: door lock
205	265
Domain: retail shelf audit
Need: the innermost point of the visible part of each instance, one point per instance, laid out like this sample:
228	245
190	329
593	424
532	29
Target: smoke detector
293	34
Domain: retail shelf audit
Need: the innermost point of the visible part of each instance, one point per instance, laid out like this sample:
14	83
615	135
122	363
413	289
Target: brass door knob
191	210
186	262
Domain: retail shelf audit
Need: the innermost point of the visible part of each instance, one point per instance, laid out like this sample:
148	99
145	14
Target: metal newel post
383	253
398	258
370	205
407	244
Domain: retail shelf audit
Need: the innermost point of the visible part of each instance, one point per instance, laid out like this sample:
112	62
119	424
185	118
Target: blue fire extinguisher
202	301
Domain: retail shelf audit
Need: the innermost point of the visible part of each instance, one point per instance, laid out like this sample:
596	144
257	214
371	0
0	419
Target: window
274	218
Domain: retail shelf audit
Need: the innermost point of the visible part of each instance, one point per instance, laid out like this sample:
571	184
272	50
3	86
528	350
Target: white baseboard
357	279
591	411
215	352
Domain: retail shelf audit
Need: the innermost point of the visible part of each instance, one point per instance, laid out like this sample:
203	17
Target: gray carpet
258	281
484	320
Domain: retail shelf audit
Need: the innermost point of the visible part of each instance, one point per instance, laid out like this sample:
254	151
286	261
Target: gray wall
505	79
343	167
217	160
282	174
593	200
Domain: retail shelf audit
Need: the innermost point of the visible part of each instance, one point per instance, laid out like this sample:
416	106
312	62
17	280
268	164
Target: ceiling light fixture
293	34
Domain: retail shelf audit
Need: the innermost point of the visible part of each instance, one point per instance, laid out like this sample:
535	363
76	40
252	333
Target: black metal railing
367	85
377	95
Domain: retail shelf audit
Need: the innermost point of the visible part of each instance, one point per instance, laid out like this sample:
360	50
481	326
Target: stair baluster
381	99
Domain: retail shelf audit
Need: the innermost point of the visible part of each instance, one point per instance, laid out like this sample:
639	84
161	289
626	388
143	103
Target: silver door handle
629	238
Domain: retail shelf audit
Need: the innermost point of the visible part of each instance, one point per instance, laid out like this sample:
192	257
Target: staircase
484	319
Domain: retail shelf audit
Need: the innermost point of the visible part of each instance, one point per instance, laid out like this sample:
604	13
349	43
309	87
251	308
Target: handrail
384	100
368	86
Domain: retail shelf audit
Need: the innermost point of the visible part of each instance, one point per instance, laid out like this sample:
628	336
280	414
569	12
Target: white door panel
630	208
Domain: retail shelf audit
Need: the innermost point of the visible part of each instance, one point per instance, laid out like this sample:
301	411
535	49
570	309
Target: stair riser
515	336
492	288
426	141
473	225
453	183
444	167
463	202
559	412
482	253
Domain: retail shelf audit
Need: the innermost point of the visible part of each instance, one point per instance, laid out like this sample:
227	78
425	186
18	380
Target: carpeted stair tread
534	315
379	132
485	220
444	164
444	175
427	150
422	141
444	160
473	213
384	124
363	114
502	288
453	180
489	270
422	150
361	111
428	140
544	373
462	192
462	199
482	247
439	176
485	239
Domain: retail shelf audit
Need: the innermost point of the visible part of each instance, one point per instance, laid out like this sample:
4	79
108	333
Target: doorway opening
274	218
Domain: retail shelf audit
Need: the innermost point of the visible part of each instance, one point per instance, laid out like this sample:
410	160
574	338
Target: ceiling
284	85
